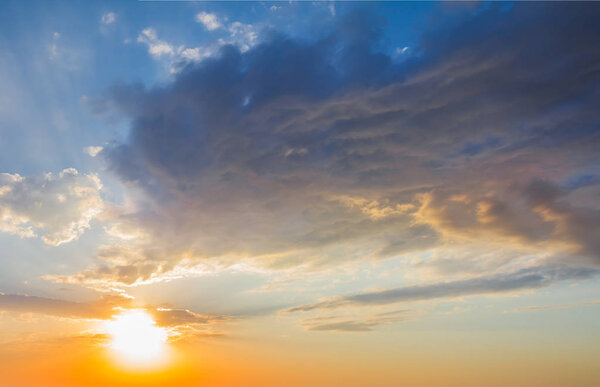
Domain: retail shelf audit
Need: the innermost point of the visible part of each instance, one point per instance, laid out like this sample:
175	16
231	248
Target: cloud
243	35
103	308
178	57
59	208
93	150
531	214
561	306
315	153
209	20
67	57
344	326
525	279
156	47
108	18
363	325
175	317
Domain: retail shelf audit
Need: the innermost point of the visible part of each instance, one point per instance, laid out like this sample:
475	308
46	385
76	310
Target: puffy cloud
93	150
179	56
156	47
59	208
243	35
312	153
537	213
209	20
120	265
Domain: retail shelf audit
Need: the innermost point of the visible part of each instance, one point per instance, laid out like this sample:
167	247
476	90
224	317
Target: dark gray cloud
280	152
530	278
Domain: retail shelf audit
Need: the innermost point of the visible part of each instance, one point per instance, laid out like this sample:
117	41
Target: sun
136	339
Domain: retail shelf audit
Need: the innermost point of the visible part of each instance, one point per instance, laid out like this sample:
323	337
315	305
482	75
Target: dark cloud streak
530	278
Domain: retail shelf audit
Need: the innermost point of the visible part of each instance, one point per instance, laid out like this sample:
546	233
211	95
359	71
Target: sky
299	193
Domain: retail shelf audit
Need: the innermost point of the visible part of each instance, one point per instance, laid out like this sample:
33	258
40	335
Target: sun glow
136	339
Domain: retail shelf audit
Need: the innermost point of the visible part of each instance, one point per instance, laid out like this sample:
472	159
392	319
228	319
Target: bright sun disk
136	338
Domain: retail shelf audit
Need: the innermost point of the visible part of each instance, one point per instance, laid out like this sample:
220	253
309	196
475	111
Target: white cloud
156	47
108	18
160	49
195	54
401	50
210	20
59	208
243	35
93	150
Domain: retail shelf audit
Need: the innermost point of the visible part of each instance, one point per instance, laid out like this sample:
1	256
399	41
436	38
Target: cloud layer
315	153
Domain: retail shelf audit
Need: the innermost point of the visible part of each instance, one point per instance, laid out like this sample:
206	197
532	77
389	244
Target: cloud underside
102	309
479	149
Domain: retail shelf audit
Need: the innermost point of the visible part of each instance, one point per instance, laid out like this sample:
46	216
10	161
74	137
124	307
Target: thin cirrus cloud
103	308
108	18
525	279
341	324
559	306
311	154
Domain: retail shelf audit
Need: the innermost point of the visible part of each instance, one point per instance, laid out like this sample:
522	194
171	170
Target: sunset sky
299	193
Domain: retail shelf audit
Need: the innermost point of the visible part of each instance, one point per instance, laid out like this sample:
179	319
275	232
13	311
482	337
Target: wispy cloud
343	324
108	18
103	308
530	278
559	306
